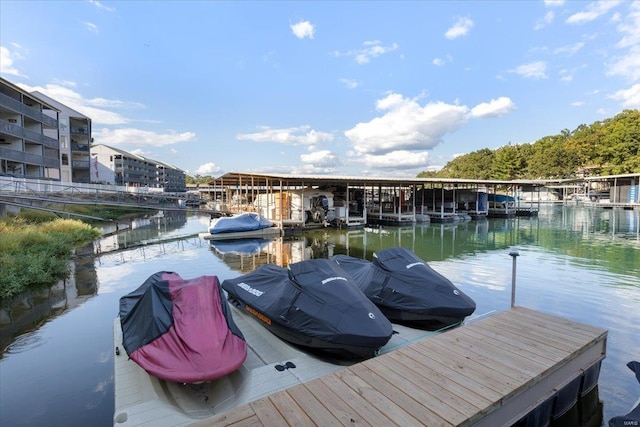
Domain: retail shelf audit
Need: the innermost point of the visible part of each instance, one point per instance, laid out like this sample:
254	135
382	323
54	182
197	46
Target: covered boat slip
143	400
357	201
491	372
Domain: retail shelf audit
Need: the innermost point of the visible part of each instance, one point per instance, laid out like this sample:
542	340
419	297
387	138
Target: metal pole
514	254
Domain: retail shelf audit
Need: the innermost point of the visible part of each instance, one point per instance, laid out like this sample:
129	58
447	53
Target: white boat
248	225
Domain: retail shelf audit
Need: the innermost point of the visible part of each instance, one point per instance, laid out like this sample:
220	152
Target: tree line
607	147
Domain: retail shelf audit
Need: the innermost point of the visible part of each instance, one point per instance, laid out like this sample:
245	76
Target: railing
79	147
20	132
27	185
79	130
34	159
27	111
80	164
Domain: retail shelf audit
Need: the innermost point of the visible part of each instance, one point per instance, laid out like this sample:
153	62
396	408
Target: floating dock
492	372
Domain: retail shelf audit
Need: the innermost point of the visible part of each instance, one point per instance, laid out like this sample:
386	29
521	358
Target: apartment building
29	144
114	166
74	134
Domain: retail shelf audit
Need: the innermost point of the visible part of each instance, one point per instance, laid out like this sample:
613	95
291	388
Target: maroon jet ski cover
181	330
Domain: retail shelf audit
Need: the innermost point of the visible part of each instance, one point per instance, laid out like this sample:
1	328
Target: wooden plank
290	411
455	375
267	413
377	398
474	371
451	390
497	339
227	418
253	421
587	331
400	397
513	361
449	408
312	406
550	329
349	396
340	409
519	329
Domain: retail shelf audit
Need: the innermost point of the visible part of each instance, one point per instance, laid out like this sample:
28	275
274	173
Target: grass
35	250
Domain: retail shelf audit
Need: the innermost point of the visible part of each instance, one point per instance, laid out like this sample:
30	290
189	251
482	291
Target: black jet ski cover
633	417
181	330
406	288
315	303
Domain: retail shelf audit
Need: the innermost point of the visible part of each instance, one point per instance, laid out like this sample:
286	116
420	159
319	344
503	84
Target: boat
501	206
248	246
313	304
407	290
181	330
633	417
244	225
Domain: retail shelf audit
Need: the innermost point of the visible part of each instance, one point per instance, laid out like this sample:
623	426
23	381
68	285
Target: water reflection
149	228
32	309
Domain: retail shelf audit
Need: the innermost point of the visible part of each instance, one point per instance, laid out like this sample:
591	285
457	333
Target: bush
34	254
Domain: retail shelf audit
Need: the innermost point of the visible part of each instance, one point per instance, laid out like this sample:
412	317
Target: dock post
514	254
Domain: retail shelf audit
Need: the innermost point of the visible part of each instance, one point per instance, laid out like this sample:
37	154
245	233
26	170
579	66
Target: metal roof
260	179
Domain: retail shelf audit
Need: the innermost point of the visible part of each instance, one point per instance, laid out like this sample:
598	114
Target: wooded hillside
606	147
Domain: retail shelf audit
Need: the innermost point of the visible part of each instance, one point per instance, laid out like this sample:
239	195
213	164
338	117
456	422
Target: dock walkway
491	372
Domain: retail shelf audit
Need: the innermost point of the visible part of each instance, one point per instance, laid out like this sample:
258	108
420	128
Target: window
65	160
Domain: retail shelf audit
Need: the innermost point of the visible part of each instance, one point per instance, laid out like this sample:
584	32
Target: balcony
24	109
79	130
29	135
34	159
80	164
79	147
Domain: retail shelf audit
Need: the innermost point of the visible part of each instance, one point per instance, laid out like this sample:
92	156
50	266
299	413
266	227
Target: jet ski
407	290
181	330
313	304
633	417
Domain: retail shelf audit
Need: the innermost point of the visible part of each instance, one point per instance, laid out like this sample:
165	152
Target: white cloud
553	3
95	108
400	160
406	125
7	59
578	103
91	27
630	28
630	98
139	137
535	70
207	169
593	11
494	108
459	29
569	50
301	135
99	5
323	158
349	84
303	29
546	20
438	62
627	66
372	49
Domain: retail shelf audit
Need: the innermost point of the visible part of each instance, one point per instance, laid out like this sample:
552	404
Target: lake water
579	263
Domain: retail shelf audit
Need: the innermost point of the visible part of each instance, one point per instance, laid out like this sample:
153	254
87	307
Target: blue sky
343	88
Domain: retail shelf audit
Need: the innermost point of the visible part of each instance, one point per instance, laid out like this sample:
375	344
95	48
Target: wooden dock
491	372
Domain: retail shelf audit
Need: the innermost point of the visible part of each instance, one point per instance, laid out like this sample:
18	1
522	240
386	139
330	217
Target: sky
362	88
